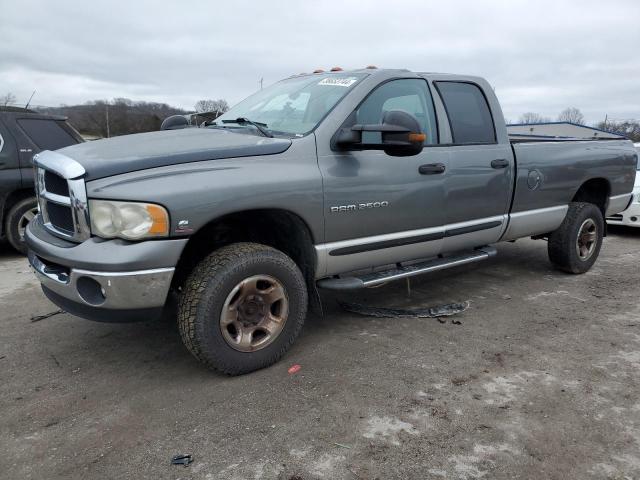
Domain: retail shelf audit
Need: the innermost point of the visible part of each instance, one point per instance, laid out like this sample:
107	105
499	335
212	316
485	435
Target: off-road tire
204	294
11	226
562	242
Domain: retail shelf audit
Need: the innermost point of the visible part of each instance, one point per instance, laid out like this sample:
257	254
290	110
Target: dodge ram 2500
337	180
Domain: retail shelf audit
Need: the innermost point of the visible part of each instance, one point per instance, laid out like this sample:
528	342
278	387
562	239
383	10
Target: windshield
294	106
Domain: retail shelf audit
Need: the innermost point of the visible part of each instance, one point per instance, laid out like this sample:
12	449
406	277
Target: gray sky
541	56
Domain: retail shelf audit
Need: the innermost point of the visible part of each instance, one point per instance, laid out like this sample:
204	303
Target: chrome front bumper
106	281
135	290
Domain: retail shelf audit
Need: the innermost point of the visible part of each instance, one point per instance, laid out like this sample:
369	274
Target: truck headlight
128	220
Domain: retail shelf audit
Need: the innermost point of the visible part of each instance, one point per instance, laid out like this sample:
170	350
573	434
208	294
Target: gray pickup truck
337	180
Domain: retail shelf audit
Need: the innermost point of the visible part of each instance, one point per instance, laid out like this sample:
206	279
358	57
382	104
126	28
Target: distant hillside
124	116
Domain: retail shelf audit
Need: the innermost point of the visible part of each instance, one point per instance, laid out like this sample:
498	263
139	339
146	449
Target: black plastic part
472	228
499	163
395	128
432	169
97	314
405	271
386	244
346	283
415	239
182	460
174	122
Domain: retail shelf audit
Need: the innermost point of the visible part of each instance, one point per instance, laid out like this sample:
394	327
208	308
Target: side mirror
174	122
401	135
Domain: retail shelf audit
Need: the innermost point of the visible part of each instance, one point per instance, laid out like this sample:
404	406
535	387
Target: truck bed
548	172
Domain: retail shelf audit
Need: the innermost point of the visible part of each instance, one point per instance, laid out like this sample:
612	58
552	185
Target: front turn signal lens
160	220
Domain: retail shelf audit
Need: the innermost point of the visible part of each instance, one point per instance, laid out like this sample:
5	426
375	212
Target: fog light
90	291
634	219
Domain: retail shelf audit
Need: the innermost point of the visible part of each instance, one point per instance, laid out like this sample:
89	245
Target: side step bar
376	278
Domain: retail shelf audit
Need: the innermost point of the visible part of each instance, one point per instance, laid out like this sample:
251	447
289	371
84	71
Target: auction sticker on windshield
338	82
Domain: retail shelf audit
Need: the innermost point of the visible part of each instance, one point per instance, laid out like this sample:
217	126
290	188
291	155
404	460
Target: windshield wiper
245	121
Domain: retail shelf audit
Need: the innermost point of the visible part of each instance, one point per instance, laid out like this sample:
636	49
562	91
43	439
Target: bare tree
8	99
626	128
124	116
531	117
571	115
219	106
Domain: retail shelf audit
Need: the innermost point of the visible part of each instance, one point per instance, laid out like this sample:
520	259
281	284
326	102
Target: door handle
499	163
431	169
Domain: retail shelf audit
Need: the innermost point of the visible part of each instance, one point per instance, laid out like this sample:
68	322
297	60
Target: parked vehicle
23	133
338	180
631	216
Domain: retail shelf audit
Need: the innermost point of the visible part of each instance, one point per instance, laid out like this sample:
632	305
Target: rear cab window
47	134
468	111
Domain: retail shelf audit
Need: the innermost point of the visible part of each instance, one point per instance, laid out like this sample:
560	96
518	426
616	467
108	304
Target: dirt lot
540	380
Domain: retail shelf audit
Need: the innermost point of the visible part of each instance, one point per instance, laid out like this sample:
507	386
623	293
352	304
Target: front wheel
575	245
242	307
17	220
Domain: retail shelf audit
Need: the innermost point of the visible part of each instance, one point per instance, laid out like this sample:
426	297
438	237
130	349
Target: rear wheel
17	220
575	245
242	307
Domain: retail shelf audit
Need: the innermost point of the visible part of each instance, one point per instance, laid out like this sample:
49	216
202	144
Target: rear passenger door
478	180
9	172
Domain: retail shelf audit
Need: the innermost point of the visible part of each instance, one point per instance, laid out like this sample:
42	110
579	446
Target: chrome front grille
62	196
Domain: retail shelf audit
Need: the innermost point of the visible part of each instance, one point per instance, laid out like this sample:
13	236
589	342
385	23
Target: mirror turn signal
417	137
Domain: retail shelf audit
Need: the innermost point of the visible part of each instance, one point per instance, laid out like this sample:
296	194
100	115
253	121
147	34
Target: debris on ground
428	312
182	460
37	318
294	369
341	445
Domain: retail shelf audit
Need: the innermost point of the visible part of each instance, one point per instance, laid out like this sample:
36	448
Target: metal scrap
37	318
384	312
182	460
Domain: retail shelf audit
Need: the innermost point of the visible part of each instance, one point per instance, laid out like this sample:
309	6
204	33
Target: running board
376	278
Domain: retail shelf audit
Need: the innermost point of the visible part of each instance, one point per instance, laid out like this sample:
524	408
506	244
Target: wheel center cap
252	310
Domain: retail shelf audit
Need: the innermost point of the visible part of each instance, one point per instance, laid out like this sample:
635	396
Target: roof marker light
319	70
336	69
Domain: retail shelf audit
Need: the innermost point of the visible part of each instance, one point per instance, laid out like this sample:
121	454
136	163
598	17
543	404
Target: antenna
27	105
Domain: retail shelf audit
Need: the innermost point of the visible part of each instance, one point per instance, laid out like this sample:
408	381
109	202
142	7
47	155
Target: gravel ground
540	379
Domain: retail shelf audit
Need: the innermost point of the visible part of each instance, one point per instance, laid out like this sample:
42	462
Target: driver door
378	208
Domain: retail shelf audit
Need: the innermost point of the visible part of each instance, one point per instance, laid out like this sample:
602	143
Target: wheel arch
9	201
595	190
277	228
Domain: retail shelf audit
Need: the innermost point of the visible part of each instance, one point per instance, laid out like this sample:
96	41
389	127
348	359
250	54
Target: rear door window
8	152
47	134
468	111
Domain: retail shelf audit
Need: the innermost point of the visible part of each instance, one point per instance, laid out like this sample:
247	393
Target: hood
128	153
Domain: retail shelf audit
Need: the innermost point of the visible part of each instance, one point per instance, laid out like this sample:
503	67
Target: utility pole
107	112
30	98
260	82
